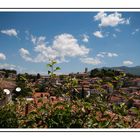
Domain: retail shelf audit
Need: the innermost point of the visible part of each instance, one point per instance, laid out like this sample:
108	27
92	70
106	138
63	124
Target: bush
8	118
2	94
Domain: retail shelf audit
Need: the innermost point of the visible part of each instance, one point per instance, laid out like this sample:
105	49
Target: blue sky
74	39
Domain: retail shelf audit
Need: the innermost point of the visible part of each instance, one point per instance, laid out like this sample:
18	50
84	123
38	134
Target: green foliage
92	113
22	82
52	88
2	94
108	73
53	69
41	87
8	72
62	77
8	118
95	111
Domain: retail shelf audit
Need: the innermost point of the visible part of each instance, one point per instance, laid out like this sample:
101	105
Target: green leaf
40	100
116	78
134	109
104	124
119	125
122	105
33	113
53	74
53	62
49	72
22	78
74	82
57	68
49	65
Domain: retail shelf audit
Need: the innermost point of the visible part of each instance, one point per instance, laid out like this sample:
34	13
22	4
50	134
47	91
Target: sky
76	40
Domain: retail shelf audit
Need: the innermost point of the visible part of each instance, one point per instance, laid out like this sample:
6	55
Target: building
136	82
12	75
86	70
2	74
108	88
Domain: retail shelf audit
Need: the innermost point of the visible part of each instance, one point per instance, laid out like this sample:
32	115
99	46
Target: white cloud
112	54
136	30
63	45
107	54
24	51
100	55
10	32
37	40
100	15
89	60
33	39
112	20
25	54
2	56
67	45
127	62
85	38
98	34
44	53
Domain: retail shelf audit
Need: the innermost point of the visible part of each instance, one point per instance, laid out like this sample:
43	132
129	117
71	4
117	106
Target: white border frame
69	10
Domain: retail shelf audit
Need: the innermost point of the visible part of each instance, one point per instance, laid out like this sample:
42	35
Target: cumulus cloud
67	45
107	54
25	54
127	62
112	54
33	39
37	40
85	38
44	53
89	60
63	45
135	31
100	55
112	20
98	34
10	32
2	56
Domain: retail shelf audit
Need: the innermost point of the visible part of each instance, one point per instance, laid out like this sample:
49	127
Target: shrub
8	118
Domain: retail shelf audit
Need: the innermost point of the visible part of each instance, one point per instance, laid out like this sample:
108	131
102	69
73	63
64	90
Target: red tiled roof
7	84
116	98
43	97
136	80
40	94
137	103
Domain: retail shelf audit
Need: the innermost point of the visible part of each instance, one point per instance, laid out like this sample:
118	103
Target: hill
131	70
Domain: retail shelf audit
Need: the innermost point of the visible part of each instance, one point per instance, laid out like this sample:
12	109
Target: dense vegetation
8	72
129	70
95	111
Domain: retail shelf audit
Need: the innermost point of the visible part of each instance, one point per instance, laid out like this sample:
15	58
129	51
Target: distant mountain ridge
132	70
